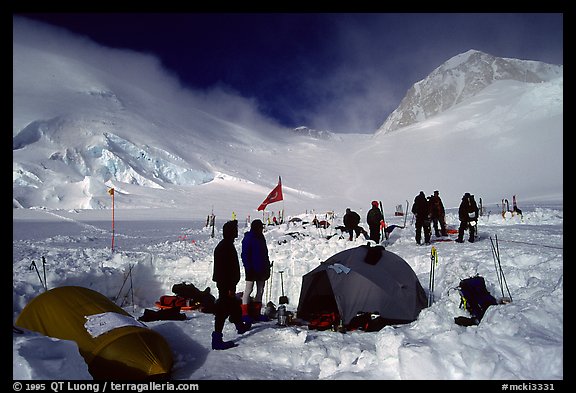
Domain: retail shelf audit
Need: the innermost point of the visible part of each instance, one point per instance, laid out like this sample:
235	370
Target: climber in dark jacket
375	220
468	216
351	222
421	210
438	214
226	275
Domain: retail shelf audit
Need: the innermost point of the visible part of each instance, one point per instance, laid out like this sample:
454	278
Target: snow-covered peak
460	78
81	128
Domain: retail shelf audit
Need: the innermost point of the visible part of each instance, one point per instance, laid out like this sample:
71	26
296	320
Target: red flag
274	196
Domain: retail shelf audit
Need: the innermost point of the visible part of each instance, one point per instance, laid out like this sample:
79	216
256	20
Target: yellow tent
128	350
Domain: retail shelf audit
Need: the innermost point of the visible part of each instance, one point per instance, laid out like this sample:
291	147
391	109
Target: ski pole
433	275
430	284
44	270
433	262
497	251
501	271
132	290
496	266
33	264
406	214
384	219
123	283
269	287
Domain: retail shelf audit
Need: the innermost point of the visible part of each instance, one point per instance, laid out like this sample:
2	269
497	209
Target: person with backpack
351	222
257	269
226	274
438	214
468	216
374	219
421	209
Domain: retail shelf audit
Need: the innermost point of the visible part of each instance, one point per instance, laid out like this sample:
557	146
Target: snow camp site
155	249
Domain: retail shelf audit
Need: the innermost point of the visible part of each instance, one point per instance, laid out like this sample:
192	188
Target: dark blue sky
339	71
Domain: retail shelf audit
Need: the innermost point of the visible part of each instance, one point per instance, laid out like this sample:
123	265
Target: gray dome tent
363	278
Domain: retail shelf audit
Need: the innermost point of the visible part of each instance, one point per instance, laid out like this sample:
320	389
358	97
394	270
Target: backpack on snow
188	291
475	298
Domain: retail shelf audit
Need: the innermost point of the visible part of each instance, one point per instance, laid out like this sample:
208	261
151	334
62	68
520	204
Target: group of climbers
429	212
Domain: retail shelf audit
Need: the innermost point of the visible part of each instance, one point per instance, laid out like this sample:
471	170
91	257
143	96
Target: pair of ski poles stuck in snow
33	266
497	264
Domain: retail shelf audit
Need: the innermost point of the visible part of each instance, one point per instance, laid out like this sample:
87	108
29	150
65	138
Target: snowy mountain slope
74	118
82	125
507	137
460	78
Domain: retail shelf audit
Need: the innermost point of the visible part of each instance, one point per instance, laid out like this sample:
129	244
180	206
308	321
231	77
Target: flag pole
274	196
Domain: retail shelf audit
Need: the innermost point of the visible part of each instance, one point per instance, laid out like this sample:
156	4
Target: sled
169	301
183	308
